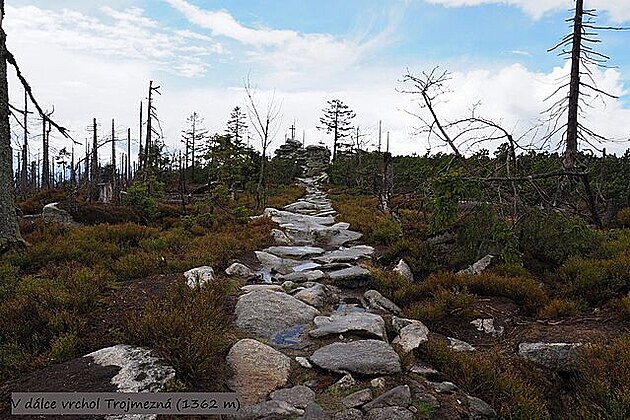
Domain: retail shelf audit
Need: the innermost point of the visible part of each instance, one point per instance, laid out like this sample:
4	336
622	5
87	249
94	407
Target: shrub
141	196
448	189
441	304
504	383
522	290
137	265
552	238
483	232
558	308
423	258
396	287
14	359
623	217
621	307
363	215
191	329
64	347
594	280
604	387
36	202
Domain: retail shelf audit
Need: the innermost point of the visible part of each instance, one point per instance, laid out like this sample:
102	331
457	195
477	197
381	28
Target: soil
599	328
105	324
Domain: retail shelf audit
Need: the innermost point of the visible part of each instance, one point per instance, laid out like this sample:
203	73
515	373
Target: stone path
321	344
318	346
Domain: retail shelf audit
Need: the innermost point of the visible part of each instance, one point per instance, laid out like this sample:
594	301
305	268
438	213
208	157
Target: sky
94	59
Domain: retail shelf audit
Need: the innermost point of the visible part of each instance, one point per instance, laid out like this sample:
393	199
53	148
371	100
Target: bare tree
193	136
577	47
264	121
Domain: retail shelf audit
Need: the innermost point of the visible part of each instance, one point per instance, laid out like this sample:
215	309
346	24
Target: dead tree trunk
140	151
128	155
94	166
147	144
388	182
113	151
9	232
571	147
24	173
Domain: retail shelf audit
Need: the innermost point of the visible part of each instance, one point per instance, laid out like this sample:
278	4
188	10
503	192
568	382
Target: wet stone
292	337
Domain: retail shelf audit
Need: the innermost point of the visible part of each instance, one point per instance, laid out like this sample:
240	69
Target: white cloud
286	50
129	35
618	10
515	97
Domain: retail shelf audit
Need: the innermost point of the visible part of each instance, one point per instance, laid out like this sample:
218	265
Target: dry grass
363	215
603	387
560	308
50	290
191	329
514	388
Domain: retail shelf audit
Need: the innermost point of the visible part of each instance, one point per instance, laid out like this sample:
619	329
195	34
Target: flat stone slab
404	270
487	326
139	371
267	313
557	356
327	236
300	206
346	254
298	252
360	323
280	237
276	264
286	219
477	267
303	276
364	357
299	396
459	345
258	370
357	399
352	278
53	213
272	409
254	287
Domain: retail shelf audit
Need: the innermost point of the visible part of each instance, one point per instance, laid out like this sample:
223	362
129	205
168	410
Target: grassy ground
554	280
74	290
